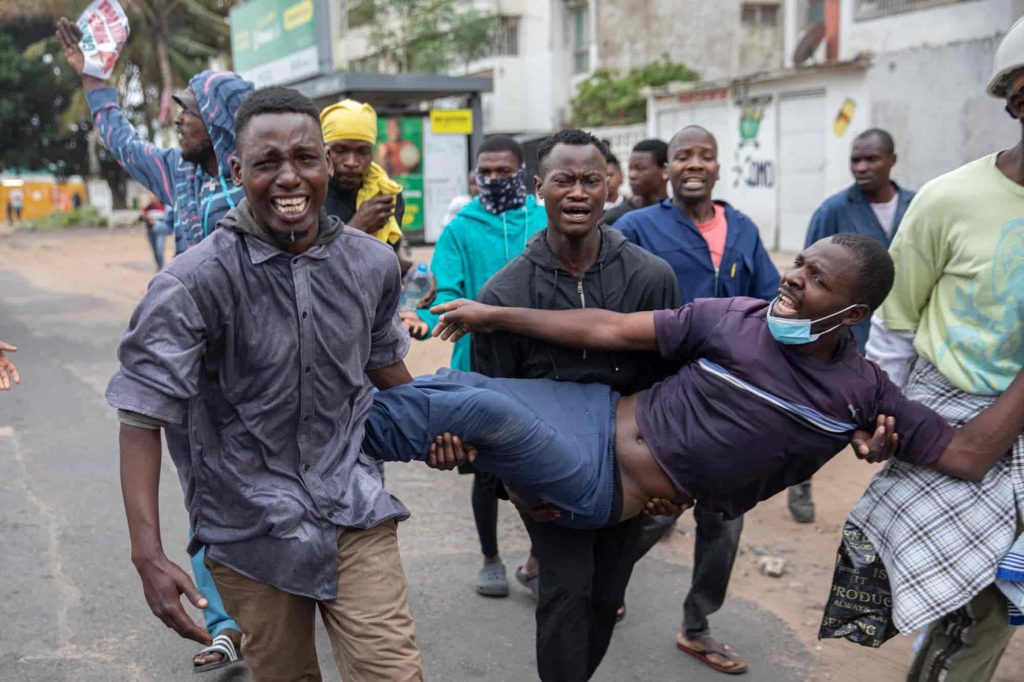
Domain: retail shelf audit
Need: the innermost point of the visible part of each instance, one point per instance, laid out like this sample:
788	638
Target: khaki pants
966	645
369	623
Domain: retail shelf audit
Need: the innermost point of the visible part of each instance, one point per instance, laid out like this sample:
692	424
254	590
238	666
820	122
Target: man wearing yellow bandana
360	192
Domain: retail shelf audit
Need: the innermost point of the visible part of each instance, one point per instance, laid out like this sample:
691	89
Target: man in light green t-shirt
957	308
960	275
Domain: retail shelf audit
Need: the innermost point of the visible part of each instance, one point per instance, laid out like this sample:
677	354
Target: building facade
917	68
543	49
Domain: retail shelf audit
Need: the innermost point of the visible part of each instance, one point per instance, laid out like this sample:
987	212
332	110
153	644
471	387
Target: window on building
579	25
506	37
870	9
759	14
359	13
370	64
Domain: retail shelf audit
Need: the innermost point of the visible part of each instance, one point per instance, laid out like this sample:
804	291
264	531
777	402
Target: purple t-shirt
747	416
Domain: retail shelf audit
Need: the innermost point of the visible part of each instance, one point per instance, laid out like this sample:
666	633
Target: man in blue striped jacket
194	180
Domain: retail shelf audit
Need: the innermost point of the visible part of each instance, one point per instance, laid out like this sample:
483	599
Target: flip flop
529	579
222	645
702	655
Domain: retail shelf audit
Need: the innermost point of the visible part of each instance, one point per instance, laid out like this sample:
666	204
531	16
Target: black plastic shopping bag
859	604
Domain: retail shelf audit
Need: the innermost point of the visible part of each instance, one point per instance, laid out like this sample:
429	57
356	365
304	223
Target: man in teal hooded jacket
489	232
486	235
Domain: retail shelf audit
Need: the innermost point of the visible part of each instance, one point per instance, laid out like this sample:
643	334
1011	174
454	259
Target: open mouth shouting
290	208
786	305
577	213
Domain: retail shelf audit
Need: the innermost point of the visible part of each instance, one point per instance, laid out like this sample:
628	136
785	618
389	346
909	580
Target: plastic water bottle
417	284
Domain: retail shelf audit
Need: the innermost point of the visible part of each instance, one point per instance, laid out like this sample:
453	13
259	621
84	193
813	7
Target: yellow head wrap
352	120
349	120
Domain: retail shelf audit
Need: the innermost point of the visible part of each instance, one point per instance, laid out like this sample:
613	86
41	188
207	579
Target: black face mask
502	194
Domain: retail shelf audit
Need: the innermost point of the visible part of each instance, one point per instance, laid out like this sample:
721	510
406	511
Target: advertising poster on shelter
400	153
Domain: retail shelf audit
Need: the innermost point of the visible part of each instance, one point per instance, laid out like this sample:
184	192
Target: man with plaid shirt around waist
957	305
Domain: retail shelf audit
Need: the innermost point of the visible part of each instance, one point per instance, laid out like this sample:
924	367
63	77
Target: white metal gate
801	167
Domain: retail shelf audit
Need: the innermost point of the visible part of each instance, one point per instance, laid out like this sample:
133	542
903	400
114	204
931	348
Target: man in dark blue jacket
715	251
872	206
712	258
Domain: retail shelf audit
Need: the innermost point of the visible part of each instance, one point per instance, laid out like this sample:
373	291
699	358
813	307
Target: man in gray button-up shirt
255	351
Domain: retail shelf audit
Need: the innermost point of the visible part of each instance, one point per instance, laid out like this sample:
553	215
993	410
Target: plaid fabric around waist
941	538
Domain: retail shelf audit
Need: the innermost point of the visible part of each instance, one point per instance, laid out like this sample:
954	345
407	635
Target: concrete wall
760	47
935	26
703	35
934	104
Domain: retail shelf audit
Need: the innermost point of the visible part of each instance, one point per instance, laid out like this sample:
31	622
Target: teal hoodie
474	246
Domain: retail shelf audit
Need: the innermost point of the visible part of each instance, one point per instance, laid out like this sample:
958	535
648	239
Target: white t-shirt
886	213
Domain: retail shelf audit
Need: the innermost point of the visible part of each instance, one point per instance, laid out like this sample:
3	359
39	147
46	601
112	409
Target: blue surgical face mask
798	332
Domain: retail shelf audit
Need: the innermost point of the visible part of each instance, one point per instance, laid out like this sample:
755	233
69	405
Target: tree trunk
93	149
163	60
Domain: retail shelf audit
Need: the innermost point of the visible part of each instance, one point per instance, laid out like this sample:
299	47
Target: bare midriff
642	477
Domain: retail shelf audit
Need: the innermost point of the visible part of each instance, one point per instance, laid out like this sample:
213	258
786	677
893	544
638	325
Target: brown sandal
703	654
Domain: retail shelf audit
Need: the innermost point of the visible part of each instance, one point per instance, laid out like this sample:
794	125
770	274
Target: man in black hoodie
577	263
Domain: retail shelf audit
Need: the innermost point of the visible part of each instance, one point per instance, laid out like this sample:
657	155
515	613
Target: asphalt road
71	607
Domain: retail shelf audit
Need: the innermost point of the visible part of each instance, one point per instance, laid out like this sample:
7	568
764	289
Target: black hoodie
624	279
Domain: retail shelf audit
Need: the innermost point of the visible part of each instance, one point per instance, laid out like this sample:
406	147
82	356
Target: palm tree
171	39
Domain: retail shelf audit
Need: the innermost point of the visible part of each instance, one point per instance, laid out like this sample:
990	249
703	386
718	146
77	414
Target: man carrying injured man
766	394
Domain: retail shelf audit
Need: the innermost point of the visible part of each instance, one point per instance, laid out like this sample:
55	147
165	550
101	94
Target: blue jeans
157	238
215	615
547	440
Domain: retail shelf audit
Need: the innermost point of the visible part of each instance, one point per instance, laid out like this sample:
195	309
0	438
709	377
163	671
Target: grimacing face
574	186
282	164
821	281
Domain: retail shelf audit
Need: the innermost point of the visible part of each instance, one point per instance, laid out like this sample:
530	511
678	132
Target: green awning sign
274	41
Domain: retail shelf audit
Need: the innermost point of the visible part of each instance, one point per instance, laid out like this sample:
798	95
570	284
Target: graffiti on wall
750	126
750	170
843	118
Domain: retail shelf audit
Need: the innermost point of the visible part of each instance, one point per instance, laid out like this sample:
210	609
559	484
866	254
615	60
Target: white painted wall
800	165
934	104
935	26
750	169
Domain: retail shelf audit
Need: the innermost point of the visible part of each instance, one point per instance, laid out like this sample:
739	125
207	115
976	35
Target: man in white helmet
955	323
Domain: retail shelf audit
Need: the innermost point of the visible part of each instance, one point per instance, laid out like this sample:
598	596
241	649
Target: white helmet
1009	60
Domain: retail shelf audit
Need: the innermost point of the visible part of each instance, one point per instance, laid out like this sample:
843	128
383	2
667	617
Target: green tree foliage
47	126
606	99
171	40
427	36
25	119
